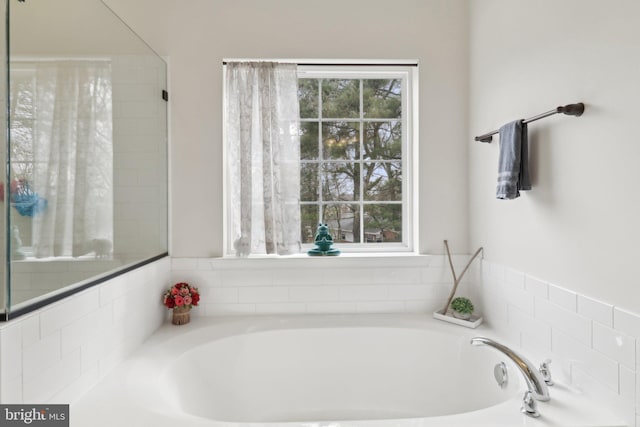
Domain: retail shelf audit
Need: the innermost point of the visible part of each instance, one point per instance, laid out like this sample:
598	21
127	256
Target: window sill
345	260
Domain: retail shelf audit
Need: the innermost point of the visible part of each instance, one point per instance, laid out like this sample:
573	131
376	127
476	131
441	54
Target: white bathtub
338	371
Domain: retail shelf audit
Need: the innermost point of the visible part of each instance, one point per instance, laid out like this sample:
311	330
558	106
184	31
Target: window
355	155
61	155
22	163
352	150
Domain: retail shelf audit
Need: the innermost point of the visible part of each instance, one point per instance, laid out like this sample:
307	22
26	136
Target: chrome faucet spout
534	380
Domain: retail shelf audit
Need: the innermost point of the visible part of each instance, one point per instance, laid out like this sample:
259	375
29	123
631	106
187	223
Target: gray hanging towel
513	164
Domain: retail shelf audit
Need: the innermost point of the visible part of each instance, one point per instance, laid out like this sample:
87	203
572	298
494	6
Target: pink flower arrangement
181	295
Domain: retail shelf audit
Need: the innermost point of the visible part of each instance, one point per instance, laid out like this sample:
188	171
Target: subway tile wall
55	354
382	284
59	352
32	279
140	157
594	346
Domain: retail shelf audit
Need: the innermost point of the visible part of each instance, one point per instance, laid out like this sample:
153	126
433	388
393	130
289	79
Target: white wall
202	33
578	227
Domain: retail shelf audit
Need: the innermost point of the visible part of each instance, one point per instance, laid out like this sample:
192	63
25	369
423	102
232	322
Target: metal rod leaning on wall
569	110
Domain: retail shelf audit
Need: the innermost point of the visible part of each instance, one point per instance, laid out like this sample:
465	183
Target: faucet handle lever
529	405
546	372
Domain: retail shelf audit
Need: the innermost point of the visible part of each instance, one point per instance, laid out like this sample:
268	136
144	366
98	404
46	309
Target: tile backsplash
374	284
57	353
60	351
594	345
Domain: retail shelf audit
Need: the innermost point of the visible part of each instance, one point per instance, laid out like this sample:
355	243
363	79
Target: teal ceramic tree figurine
323	241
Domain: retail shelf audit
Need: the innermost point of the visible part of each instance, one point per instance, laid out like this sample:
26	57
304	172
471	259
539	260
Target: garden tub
321	370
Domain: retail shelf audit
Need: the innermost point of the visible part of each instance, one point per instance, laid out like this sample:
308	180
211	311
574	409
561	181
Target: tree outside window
352	158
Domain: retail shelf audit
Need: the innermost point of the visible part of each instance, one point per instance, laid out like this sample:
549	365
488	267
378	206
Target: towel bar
569	110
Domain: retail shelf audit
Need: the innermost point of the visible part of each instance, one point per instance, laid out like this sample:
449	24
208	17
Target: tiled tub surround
56	354
31	279
61	351
594	346
323	285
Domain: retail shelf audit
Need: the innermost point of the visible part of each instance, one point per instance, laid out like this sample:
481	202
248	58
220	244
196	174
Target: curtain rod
569	110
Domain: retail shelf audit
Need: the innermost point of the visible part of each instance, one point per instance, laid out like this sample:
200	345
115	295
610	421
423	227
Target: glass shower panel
3	160
87	157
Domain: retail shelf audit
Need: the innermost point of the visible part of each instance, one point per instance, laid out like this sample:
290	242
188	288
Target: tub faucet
534	379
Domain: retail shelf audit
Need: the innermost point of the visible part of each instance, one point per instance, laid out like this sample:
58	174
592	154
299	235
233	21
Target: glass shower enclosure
84	151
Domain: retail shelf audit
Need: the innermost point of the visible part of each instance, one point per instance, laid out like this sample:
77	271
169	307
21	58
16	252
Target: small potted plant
462	308
180	298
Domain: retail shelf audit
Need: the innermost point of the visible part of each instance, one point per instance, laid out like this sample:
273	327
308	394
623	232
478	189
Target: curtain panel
263	157
73	156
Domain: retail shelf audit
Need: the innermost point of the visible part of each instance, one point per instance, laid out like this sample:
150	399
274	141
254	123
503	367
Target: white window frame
408	75
376	69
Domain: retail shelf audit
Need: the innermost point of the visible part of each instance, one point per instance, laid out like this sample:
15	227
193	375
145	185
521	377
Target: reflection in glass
87	154
340	140
62	158
4	235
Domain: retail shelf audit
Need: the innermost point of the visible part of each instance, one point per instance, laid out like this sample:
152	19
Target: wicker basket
181	315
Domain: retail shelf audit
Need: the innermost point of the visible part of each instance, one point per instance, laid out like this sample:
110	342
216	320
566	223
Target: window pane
22	171
340	99
309	221
23	91
383	223
343	221
382	99
383	140
308	96
341	181
309	140
352	150
383	181
341	140
309	182
21	140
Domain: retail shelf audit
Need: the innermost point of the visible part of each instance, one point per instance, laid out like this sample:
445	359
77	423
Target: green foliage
340	98
462	305
308	97
382	98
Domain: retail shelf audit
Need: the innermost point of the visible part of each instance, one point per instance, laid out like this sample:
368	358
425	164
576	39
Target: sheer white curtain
73	156
263	157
